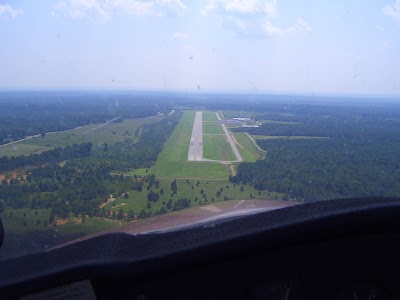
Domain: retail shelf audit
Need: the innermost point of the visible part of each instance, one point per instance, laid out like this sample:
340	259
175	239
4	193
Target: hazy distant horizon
265	95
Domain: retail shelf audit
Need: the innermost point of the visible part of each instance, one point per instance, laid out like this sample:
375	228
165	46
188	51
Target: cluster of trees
55	155
181	204
174	187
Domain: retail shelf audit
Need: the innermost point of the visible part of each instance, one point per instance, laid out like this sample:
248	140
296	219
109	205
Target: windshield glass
135	116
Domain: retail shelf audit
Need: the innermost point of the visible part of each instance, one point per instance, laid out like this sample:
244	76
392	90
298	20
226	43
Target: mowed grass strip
177	146
246	147
172	161
217	147
209	116
212	128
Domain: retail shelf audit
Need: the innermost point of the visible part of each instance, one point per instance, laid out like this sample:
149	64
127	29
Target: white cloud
244	7
80	9
104	9
272	30
253	17
299	26
393	10
179	36
9	11
132	7
172	6
241	7
148	8
271	8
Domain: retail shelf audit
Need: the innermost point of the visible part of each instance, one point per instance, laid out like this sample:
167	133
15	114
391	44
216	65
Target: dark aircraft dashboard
339	249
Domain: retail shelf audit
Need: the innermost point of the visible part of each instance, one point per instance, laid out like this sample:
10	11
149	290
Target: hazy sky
281	46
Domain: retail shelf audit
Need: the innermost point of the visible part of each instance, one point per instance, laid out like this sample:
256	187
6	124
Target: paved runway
196	142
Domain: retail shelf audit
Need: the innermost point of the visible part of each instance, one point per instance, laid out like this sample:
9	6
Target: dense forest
359	156
326	169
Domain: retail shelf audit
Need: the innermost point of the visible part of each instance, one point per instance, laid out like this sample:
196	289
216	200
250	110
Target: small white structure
242	119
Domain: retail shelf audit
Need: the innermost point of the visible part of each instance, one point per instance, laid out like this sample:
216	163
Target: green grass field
24	219
217	147
209	116
246	147
110	133
172	161
212	128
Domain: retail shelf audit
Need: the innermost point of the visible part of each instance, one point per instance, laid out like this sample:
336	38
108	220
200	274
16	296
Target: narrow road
230	140
258	147
102	125
27	138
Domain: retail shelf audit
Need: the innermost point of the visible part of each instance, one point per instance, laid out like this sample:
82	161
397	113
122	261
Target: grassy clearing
213	128
172	161
18	149
209	116
202	189
271	137
217	147
192	169
246	147
110	133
